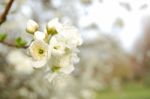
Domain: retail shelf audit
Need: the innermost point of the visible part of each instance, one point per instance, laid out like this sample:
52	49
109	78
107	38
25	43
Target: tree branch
12	45
3	16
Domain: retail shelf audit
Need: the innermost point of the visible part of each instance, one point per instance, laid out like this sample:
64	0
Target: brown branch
3	16
12	45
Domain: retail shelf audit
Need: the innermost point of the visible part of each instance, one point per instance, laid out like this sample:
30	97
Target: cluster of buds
55	48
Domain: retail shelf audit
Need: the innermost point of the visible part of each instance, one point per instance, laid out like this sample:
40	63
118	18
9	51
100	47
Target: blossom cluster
54	48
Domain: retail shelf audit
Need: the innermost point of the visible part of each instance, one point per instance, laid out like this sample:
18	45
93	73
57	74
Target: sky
104	15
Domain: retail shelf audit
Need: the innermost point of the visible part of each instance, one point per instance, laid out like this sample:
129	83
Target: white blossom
56	45
39	63
38	50
55	48
20	61
60	61
53	26
39	35
32	26
72	36
51	76
67	69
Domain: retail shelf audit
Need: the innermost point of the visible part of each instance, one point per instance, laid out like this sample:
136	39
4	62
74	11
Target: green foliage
20	42
129	91
2	37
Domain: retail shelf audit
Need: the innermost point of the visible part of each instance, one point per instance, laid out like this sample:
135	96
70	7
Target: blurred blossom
86	94
20	61
56	3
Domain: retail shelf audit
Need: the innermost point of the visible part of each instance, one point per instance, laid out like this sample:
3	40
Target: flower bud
53	27
32	26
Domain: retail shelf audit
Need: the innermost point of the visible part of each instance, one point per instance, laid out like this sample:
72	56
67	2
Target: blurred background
114	58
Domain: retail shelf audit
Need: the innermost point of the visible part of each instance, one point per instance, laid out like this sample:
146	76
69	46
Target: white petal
67	69
39	35
75	59
57	47
39	64
51	76
54	23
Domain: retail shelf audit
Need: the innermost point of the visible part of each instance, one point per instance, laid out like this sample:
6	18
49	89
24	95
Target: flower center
41	51
55	68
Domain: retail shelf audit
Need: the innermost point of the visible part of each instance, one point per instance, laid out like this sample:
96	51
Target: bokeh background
114	58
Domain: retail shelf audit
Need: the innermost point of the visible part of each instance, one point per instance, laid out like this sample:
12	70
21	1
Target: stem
3	16
12	45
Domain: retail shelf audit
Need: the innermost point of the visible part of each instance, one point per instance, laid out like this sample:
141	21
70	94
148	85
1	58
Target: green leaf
2	37
20	42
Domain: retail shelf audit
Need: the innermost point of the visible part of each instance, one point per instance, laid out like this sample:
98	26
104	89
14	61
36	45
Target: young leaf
20	42
2	37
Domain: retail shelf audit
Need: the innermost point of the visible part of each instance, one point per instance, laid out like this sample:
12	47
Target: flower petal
67	69
51	76
39	35
39	64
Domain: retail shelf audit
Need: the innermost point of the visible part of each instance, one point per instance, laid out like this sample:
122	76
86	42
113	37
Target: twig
3	16
12	45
